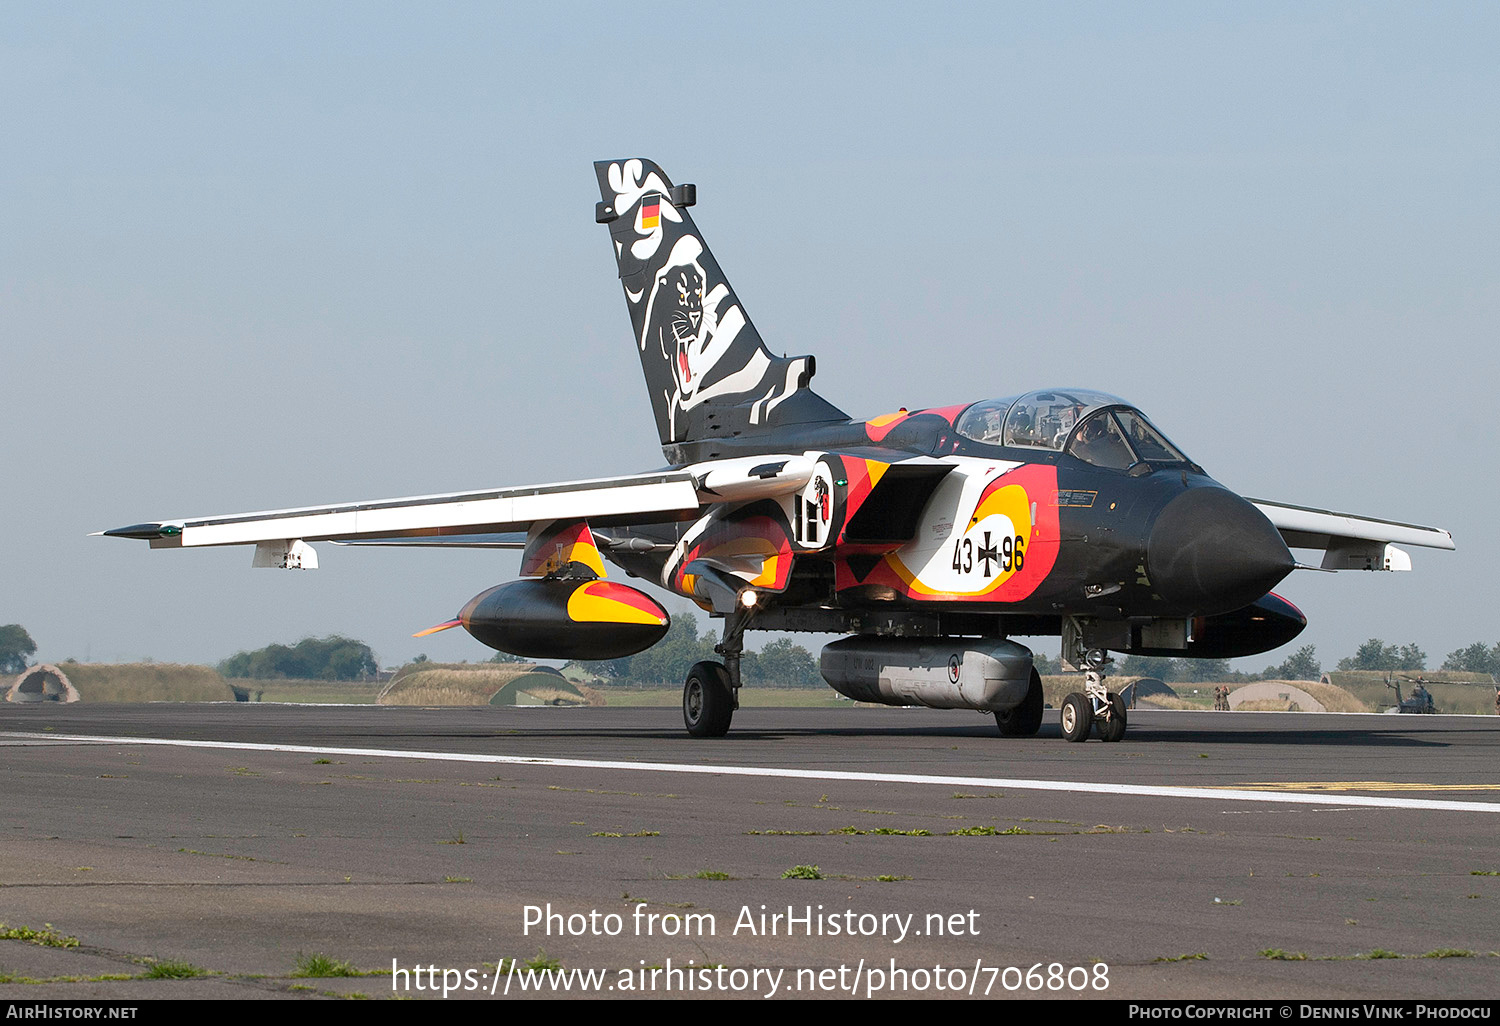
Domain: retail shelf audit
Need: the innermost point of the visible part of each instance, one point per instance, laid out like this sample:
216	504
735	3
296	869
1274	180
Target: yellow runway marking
1360	785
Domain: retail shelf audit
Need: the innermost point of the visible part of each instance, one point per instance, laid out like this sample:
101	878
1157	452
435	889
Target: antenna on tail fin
707	370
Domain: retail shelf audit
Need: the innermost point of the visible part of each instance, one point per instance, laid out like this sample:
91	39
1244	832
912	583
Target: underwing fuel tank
942	673
565	619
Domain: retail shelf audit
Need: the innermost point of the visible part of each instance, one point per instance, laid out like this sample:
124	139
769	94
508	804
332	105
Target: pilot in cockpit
1099	442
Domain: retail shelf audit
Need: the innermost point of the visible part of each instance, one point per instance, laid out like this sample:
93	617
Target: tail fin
708	372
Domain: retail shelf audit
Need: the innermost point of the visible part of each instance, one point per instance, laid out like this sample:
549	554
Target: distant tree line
1303	664
332	658
1477	658
1300	665
1170	670
1377	655
16	647
779	663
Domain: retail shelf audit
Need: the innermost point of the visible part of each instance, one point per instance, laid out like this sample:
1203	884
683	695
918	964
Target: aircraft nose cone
1211	552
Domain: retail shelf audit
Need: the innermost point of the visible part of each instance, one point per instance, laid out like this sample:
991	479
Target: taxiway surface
239	838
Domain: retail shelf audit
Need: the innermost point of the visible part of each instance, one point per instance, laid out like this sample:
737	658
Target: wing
497	518
500	540
663	496
1351	542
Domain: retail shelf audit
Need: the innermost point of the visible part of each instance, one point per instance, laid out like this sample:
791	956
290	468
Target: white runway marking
1342	801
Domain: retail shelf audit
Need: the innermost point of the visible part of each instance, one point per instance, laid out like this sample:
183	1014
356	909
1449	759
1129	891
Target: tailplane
708	372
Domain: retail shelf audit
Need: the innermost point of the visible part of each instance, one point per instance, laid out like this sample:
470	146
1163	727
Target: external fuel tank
942	673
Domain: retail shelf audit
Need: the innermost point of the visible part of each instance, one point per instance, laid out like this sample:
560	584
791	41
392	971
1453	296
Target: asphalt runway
241	838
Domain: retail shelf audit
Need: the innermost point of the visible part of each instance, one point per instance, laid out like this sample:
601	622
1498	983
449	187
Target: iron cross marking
988	553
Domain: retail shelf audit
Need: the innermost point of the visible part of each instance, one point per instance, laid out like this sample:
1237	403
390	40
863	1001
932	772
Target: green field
750	698
320	692
361	693
1453	698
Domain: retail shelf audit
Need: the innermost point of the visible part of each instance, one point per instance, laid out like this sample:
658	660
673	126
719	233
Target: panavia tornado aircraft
929	537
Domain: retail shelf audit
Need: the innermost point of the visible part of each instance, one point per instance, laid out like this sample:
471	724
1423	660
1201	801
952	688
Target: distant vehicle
930	537
1419	701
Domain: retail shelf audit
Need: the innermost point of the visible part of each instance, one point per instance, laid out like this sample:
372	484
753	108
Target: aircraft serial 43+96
929	537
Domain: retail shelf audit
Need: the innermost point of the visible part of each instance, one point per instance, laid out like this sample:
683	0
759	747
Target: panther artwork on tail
706	367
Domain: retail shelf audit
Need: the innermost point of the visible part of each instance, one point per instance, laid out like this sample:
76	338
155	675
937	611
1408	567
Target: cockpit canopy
1095	427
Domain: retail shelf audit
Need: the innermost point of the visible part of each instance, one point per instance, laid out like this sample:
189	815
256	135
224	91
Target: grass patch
47	936
321	967
215	854
711	874
1448	953
783	833
1380	953
166	969
1278	955
615	833
881	831
458	879
542	961
1197	956
891	879
989	831
803	873
457	838
1484	872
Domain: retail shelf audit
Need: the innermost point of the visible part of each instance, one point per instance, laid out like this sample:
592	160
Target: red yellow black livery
931	537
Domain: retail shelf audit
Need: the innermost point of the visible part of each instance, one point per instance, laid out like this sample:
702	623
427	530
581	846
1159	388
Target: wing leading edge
1349	541
497	518
499	511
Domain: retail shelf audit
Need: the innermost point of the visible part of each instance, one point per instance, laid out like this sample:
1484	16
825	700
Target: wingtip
145	532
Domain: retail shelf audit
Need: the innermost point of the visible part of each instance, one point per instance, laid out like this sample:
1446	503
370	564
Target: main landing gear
1095	707
1025	719
711	693
708	700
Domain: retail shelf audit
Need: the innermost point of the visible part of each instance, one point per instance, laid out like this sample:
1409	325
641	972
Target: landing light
748	599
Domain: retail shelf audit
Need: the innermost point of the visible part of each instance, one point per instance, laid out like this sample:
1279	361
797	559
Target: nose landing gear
1096	706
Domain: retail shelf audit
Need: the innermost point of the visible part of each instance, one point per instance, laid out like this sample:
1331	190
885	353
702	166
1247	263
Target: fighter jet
931	538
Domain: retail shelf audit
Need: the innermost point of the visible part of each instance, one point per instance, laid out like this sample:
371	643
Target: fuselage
1054	504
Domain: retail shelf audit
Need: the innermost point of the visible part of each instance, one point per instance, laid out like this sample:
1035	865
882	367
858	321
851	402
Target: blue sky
262	255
